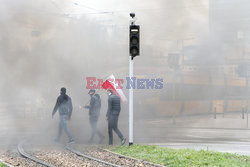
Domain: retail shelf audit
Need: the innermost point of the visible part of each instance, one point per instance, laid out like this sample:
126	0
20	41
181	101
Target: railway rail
79	155
21	150
114	158
90	157
27	155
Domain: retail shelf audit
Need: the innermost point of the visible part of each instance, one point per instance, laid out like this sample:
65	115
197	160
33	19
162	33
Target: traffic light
134	40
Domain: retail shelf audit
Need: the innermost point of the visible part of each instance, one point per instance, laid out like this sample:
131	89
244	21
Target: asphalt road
227	134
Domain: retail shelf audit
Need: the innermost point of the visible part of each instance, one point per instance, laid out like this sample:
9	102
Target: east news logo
131	83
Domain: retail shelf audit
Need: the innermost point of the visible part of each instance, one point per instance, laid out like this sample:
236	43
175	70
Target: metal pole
242	112
130	103
214	112
247	118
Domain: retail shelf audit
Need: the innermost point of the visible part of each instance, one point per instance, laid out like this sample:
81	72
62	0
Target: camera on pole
134	38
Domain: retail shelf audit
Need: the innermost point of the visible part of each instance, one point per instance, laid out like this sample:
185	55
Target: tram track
66	157
106	155
30	157
90	157
78	155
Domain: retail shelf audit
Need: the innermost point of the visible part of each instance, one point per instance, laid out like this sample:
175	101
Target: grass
182	157
2	165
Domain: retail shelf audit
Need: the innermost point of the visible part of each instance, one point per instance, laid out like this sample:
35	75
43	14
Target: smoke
42	49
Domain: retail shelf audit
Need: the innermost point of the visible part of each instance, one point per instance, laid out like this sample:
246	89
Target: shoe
71	141
123	141
101	140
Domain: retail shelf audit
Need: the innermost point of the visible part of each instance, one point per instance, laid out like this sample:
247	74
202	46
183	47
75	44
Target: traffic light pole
134	50
131	102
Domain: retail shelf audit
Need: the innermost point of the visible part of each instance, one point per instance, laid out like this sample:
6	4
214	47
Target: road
227	134
224	135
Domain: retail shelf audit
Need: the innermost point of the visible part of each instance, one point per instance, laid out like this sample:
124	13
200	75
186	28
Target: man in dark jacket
94	112
114	108
64	105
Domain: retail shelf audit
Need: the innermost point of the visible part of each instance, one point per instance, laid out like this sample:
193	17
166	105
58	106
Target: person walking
114	108
94	113
64	105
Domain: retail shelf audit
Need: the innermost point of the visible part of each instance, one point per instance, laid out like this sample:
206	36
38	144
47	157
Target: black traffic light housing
134	40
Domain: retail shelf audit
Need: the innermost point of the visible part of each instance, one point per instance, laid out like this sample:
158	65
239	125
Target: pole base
130	144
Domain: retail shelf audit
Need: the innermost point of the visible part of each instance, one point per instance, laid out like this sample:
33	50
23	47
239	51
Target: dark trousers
112	125
93	124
